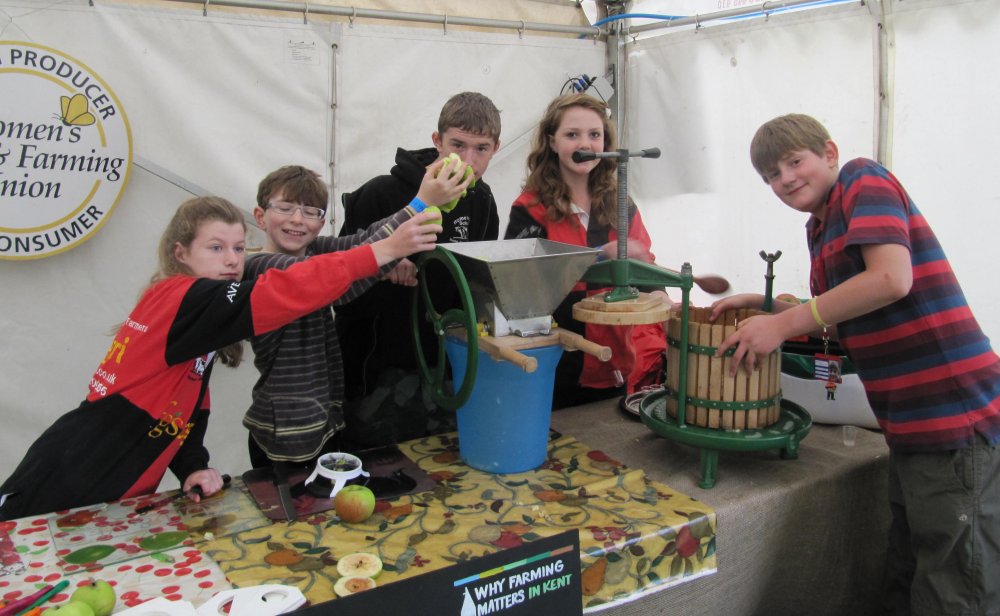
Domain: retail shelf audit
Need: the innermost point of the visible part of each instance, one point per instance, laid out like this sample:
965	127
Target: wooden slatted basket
715	399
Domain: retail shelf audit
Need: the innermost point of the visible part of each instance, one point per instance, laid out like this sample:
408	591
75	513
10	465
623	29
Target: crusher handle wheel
441	321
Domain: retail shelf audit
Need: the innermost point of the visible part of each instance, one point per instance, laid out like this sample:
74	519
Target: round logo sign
65	151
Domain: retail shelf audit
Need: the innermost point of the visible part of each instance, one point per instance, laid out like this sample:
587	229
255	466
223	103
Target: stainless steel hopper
517	284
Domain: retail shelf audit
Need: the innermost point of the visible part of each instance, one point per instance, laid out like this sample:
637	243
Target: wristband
418	205
815	312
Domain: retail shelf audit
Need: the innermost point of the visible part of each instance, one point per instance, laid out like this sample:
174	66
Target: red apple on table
354	503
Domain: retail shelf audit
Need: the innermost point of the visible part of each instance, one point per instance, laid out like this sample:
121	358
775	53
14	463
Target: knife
284	491
167	499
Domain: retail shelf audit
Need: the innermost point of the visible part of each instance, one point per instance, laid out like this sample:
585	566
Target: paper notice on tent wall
299	51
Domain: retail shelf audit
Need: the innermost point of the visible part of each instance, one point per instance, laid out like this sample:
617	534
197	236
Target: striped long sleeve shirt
297	402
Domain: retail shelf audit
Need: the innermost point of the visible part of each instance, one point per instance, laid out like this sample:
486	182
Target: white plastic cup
850	435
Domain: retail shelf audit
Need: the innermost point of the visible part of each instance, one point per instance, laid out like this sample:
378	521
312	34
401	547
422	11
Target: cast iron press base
786	434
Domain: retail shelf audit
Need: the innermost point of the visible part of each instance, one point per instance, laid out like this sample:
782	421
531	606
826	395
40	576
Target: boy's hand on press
754	338
405	273
735	302
441	183
417	234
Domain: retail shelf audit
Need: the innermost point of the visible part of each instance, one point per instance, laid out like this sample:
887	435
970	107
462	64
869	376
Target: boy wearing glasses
296	402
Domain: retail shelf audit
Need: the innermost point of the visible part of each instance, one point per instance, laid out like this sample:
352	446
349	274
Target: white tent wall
945	134
700	95
393	81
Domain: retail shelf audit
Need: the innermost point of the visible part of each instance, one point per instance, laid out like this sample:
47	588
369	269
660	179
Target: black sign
541	577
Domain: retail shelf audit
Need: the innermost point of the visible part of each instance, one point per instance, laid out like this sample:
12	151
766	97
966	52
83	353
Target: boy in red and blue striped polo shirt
882	284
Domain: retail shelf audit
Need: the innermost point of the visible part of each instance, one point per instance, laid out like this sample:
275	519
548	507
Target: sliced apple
346	586
359	564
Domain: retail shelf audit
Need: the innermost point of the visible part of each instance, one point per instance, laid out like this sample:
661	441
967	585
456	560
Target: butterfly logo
74	111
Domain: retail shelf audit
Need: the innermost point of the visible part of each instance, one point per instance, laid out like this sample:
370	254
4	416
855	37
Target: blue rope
777	9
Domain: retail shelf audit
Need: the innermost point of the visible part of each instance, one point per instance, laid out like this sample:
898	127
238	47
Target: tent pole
616	53
444	20
765	8
884	46
331	160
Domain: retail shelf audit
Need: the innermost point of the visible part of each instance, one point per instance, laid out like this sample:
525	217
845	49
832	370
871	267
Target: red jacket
147	408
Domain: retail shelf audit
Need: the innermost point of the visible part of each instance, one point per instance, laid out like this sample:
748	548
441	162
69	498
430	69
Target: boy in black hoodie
384	402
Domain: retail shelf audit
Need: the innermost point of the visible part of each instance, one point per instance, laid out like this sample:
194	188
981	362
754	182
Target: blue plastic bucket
504	427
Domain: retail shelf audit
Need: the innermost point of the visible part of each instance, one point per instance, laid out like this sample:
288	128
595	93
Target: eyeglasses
287	209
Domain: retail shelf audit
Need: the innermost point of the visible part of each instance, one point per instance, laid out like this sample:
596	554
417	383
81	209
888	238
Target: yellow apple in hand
436	211
447	207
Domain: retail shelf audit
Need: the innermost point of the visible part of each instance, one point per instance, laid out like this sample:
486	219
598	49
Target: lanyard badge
827	368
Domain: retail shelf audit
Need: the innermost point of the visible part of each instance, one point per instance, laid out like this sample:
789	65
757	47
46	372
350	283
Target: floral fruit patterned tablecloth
143	555
636	535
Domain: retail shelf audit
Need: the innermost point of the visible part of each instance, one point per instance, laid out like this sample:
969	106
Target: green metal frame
625	274
441	322
792	426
